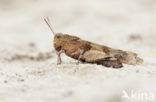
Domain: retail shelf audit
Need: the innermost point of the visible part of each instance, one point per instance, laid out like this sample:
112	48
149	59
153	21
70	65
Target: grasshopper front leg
59	60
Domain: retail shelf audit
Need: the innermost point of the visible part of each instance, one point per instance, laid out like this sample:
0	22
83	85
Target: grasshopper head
58	41
58	37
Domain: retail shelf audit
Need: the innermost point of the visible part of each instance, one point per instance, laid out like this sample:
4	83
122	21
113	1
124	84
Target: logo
138	95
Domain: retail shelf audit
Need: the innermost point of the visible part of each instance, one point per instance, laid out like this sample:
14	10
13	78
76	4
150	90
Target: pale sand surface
28	70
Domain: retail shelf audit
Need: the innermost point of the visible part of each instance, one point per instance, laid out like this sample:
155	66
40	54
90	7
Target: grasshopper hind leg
108	63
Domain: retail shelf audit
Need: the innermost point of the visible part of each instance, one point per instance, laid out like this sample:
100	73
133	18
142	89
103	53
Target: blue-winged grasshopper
88	52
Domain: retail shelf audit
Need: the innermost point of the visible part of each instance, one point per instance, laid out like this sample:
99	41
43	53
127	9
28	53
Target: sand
28	70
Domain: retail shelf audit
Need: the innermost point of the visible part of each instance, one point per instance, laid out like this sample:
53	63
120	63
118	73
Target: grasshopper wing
95	55
101	58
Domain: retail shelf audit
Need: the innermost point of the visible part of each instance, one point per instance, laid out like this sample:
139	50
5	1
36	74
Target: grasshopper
88	52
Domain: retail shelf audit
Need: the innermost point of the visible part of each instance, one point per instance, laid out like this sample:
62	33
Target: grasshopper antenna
47	20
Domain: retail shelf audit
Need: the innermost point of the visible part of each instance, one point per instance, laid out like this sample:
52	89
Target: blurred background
130	23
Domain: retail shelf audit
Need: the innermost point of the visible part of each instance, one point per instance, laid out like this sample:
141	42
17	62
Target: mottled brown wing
95	55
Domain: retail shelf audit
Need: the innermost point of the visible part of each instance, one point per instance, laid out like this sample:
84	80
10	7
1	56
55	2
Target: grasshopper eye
59	35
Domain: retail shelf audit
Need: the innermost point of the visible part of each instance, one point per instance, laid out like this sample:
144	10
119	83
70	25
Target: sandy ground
28	70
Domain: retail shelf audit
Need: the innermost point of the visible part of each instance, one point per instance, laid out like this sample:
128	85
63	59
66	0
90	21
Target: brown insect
88	52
